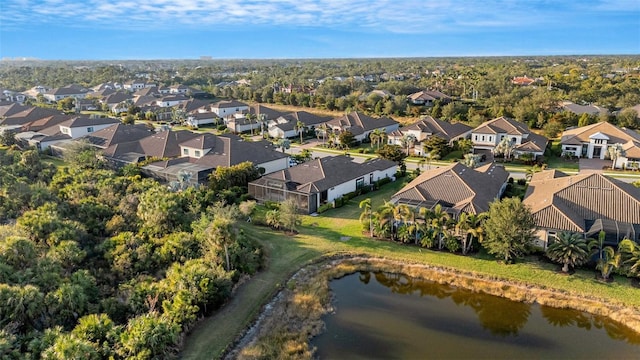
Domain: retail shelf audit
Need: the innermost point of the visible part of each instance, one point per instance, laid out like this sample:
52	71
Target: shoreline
293	316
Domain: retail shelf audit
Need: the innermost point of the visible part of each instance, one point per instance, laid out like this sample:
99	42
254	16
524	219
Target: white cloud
411	16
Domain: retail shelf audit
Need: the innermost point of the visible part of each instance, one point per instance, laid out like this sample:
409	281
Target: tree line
98	263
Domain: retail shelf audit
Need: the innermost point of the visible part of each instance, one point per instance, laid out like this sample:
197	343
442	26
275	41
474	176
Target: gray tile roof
502	125
458	187
232	150
443	129
118	133
324	173
358	123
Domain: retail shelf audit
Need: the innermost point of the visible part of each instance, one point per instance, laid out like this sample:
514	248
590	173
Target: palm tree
366	213
630	251
299	127
569	249
534	169
505	147
272	217
262	120
377	137
322	129
469	227
610	261
596	245
221	234
249	116
407	141
439	221
615	151
471	160
430	156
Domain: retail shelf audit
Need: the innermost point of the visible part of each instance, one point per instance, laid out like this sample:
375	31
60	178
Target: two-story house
228	107
286	126
593	141
73	91
426	128
490	133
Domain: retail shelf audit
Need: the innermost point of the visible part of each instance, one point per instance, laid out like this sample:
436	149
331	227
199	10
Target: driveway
593	165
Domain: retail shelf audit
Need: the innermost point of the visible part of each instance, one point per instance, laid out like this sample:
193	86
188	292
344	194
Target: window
185	151
360	183
197	153
64	130
475	137
599	141
90	129
490	138
482	137
551	235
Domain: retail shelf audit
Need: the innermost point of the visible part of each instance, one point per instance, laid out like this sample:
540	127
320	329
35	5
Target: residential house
285	126
456	188
261	115
201	155
428	97
582	109
523	80
197	119
592	141
161	145
361	125
118	102
11	96
228	107
135	85
320	181
490	133
72	91
171	100
585	204
73	128
118	134
426	128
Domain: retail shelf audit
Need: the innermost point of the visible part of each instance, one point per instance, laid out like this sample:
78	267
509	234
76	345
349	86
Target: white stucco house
229	107
320	181
490	133
593	141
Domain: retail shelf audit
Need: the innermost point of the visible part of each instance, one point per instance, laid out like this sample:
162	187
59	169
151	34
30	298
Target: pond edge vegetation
294	315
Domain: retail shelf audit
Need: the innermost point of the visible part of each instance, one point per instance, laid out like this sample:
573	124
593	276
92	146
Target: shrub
452	244
271	205
382	182
521	181
221	127
324	207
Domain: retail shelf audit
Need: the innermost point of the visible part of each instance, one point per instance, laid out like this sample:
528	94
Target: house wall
350	185
575	150
223	112
274	165
198	122
76	132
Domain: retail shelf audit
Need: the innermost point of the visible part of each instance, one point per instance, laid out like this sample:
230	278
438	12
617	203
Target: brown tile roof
428	95
11	109
457	186
502	125
29	115
324	173
581	135
632	149
568	202
204	141
533	143
162	144
83	120
259	109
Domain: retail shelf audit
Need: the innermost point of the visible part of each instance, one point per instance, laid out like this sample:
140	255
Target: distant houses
428	98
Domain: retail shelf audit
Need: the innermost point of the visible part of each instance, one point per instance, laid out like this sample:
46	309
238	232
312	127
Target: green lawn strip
211	337
339	232
57	162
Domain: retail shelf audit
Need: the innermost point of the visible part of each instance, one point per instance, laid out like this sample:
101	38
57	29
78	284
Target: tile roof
117	97
11	109
118	133
232	150
456	186
579	135
80	121
204	141
502	125
359	123
428	95
566	202
68	90
533	143
228	104
583	109
431	126
324	173
29	115
259	109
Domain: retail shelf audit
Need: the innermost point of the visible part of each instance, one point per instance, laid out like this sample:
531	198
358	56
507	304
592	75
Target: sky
276	29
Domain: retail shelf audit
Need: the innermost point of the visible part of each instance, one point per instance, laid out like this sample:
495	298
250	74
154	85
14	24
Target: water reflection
384	315
498	315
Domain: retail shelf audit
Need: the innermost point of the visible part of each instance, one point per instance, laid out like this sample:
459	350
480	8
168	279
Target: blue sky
186	29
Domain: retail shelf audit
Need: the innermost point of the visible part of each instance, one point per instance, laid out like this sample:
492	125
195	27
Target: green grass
57	162
338	232
454	155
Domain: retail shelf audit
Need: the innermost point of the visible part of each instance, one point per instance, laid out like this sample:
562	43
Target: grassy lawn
57	162
338	232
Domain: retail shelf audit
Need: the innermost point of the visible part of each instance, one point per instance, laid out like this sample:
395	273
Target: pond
382	315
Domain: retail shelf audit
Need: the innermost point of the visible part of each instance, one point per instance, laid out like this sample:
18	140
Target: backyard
338	232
